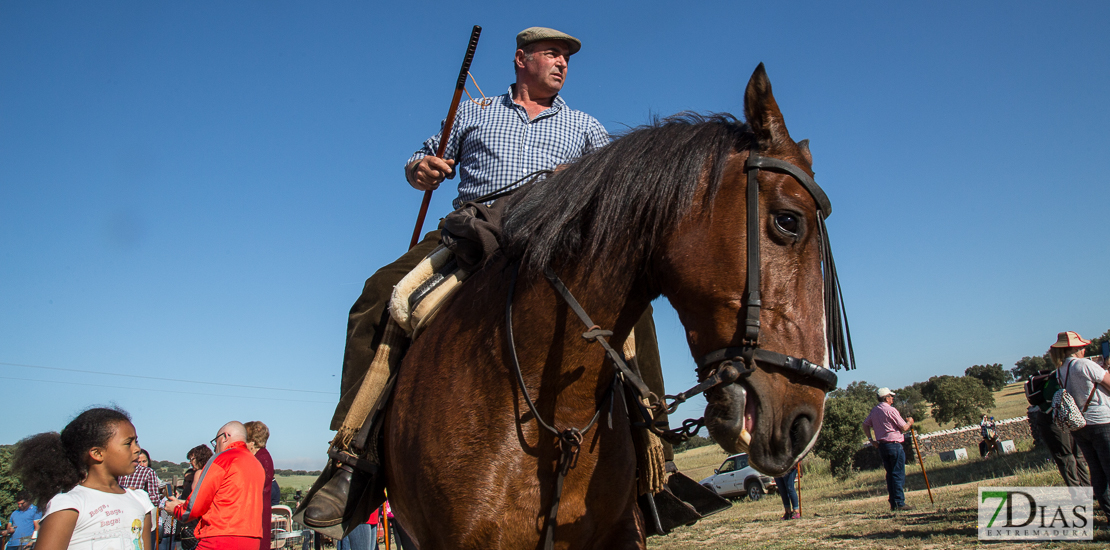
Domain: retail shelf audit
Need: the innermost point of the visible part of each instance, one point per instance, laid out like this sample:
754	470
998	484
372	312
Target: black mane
623	198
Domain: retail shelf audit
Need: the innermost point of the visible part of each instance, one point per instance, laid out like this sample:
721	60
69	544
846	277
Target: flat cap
535	34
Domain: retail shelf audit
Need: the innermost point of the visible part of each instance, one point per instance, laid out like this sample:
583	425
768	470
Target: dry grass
854	513
699	463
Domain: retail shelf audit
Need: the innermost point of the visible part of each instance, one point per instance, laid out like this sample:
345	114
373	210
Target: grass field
296	482
854	513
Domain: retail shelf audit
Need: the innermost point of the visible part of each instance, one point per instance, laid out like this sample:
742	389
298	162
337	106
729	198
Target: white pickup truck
736	479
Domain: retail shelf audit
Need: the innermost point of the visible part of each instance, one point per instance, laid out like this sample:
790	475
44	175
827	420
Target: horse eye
787	223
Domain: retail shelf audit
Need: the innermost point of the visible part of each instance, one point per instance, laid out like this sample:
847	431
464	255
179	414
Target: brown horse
659	211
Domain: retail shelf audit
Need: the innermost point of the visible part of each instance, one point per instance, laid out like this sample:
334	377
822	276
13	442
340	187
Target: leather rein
730	363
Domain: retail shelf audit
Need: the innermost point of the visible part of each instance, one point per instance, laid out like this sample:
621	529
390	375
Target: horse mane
622	199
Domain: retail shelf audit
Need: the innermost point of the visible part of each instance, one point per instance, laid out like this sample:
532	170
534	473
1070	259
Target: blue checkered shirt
500	145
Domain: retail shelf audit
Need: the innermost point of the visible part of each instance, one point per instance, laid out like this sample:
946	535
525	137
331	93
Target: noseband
749	355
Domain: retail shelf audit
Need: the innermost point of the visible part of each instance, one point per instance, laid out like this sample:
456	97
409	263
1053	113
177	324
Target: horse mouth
749	421
731	416
748	424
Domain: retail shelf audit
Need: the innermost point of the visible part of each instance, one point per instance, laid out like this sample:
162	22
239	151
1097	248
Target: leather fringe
650	462
386	360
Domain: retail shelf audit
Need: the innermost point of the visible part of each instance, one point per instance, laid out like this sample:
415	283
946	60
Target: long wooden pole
798	481
383	519
921	461
445	133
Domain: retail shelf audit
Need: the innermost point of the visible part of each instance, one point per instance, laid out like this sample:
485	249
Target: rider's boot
349	486
327	505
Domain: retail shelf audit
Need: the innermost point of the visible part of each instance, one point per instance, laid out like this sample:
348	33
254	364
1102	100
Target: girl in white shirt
76	471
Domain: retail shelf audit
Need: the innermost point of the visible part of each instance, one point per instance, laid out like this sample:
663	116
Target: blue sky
192	194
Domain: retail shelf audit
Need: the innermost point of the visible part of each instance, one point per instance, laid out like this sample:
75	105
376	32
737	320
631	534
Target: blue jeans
787	491
364	537
894	460
1094	441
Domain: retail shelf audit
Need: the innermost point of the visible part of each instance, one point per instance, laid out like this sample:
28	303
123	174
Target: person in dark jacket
257	436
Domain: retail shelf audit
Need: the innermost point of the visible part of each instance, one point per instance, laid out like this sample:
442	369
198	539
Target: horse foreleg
627	534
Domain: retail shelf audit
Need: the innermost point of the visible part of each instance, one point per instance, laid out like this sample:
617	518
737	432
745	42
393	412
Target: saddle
469	236
419	295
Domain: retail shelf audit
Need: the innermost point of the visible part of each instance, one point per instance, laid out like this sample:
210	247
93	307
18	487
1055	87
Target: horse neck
572	375
613	295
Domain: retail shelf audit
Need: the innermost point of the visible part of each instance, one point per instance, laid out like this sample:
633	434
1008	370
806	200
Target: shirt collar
557	104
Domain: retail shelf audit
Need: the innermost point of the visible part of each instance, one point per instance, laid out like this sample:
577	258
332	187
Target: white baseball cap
883	392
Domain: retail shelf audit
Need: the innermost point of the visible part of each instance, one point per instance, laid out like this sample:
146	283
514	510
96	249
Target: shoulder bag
1065	412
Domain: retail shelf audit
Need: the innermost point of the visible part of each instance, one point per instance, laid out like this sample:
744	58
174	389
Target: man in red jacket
227	495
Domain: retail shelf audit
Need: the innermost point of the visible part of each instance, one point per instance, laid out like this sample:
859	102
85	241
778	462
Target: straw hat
1070	339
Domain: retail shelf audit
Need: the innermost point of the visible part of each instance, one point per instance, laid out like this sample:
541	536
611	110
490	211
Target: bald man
227	495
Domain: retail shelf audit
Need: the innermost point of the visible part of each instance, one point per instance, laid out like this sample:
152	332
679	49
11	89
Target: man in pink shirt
889	427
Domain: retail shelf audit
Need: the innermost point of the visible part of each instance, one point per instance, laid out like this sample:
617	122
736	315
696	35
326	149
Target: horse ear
762	112
803	146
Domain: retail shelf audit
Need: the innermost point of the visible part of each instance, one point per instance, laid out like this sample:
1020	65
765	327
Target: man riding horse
493	146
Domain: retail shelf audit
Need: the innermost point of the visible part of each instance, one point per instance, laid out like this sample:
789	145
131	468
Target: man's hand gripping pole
445	133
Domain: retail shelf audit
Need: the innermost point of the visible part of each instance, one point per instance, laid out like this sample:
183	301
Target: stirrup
682	502
349	458
366	492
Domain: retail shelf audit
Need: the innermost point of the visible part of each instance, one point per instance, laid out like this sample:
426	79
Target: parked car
736	479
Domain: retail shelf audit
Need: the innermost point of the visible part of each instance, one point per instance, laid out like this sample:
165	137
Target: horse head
774	410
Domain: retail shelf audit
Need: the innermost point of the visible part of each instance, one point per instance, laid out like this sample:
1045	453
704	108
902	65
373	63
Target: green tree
910	402
1026	367
167	469
9	484
962	400
994	377
929	387
693	443
860	391
842	428
1095	347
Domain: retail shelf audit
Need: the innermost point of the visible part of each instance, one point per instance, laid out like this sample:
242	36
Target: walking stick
385	525
798	489
445	133
921	461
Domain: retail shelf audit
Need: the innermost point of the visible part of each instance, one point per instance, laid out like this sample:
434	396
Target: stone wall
934	443
969	437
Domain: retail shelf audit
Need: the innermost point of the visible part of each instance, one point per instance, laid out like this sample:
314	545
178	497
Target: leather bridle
749	355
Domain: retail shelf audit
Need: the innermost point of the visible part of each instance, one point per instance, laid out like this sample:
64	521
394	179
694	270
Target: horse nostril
801	433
